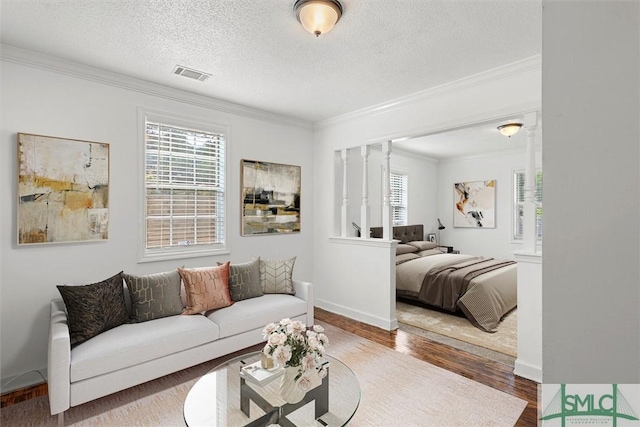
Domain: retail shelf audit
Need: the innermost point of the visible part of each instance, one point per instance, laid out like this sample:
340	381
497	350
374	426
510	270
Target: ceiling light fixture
509	129
318	16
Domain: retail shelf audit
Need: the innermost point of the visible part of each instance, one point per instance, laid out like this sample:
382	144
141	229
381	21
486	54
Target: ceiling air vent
191	73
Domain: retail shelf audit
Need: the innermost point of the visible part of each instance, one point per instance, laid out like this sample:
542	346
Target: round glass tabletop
223	398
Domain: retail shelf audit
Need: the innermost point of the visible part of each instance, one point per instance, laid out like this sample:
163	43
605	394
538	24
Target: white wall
422	188
591	113
49	103
491	95
495	242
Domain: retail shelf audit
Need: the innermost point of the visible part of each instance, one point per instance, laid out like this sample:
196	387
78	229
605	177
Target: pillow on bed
405	257
423	244
405	249
434	251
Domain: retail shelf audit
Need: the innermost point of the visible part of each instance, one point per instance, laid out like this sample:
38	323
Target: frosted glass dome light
318	16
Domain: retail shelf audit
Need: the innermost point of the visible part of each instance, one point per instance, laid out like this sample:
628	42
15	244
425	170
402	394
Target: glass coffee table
223	398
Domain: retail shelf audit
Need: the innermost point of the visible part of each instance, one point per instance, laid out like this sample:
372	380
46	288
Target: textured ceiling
260	56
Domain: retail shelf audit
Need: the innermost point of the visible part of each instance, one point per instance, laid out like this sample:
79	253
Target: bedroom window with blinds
518	185
399	198
184	189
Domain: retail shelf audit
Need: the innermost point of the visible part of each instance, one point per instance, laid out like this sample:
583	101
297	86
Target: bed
482	288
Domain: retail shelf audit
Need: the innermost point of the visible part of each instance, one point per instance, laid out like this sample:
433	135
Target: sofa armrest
59	359
304	290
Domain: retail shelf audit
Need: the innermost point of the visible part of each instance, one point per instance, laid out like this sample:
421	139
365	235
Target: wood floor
484	371
487	372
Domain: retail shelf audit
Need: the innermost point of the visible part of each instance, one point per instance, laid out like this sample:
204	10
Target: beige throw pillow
206	288
423	244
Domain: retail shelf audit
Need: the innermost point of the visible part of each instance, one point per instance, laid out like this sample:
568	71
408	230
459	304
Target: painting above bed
475	204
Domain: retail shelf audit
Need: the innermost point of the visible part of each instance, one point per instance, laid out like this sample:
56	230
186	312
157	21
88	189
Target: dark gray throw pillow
244	280
95	308
154	296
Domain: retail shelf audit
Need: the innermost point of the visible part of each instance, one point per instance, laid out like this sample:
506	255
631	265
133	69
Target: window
398	198
184	189
518	185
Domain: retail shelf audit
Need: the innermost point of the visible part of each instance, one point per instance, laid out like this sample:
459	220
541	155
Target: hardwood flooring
21	395
484	371
493	374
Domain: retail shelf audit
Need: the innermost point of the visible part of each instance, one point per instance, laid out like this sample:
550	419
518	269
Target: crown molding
496	153
526	65
34	59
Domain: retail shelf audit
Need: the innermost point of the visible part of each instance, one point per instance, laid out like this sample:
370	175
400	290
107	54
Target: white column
529	361
364	209
345	193
529	218
386	192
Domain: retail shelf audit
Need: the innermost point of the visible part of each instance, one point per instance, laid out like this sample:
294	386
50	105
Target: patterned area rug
396	390
460	333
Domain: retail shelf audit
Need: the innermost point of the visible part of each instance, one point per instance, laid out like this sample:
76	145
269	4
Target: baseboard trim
386	324
528	371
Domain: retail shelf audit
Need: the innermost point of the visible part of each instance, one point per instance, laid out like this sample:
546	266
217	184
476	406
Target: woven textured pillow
95	308
276	276
244	280
206	288
154	296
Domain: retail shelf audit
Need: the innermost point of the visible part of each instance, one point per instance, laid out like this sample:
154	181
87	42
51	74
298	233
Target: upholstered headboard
404	233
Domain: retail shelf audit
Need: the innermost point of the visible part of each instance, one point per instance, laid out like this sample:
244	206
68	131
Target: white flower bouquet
291	344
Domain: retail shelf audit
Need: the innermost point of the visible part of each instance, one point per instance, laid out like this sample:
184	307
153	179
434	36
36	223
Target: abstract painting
270	198
475	204
63	190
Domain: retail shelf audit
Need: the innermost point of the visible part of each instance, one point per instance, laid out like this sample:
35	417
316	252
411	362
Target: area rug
396	390
503	341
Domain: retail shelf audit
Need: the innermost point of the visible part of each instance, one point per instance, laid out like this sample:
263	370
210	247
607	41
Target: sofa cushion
207	288
95	308
133	344
154	296
276	275
255	313
244	280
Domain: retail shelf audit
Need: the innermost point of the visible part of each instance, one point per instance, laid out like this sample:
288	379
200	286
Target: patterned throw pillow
207	288
154	296
95	308
276	276
244	280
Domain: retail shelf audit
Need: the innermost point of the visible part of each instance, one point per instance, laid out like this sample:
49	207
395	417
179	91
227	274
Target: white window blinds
518	185
184	186
398	198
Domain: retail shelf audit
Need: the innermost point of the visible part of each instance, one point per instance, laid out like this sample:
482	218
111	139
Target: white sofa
132	354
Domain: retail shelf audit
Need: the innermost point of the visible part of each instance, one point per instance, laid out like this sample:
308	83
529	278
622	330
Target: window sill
520	241
166	256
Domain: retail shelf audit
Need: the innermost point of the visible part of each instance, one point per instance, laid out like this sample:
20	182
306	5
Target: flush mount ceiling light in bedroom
509	129
318	16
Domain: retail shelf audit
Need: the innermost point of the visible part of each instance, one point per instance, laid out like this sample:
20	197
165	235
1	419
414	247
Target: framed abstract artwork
270	198
63	190
474	204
